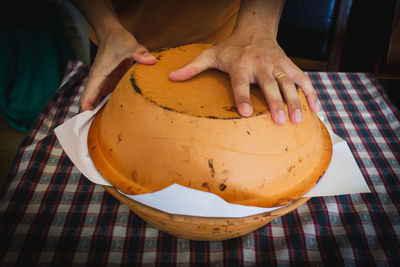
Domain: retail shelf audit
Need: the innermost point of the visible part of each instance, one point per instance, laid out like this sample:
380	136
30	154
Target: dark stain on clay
226	174
211	117
222	187
266	214
216	118
121	106
119	139
206	186
291	168
110	150
211	166
231	108
248	133
283	201
286	149
134	175
167	108
93	148
137	89
319	178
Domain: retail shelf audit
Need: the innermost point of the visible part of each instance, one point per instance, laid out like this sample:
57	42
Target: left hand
259	61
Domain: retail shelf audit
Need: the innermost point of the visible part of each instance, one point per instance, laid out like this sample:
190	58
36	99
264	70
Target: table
51	215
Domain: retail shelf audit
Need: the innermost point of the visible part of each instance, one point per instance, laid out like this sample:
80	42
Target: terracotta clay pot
154	132
203	228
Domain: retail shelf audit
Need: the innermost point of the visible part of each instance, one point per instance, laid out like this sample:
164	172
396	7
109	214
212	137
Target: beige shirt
158	24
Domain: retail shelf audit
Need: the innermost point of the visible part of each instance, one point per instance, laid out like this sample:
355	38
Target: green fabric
33	58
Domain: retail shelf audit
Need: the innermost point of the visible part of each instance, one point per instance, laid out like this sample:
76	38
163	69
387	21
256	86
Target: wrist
252	37
258	19
106	29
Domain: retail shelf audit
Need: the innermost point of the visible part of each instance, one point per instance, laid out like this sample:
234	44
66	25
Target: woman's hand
116	52
260	61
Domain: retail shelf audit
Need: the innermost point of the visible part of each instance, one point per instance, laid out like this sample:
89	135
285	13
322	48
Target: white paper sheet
342	176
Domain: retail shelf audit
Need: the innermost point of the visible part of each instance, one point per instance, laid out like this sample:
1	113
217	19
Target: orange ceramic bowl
154	132
203	228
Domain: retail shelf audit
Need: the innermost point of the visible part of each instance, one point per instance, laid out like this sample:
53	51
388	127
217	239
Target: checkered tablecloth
51	215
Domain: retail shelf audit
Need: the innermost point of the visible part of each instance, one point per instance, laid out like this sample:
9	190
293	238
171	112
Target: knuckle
305	81
293	103
312	94
238	77
259	60
309	92
138	50
275	102
241	61
242	98
241	89
286	81
268	82
239	82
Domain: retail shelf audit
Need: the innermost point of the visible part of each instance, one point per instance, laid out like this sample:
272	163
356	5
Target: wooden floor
9	142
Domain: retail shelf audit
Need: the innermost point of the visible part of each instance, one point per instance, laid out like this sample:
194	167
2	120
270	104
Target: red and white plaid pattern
51	215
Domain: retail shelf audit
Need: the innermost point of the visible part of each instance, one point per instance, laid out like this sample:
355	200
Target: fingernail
281	116
247	109
298	116
148	55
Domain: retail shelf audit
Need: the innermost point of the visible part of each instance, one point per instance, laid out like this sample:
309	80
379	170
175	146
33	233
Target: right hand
116	53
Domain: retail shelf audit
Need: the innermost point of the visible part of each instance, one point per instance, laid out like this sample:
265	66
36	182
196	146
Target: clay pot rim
175	223
126	199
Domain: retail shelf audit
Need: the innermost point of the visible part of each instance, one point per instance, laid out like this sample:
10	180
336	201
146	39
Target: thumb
202	62
142	55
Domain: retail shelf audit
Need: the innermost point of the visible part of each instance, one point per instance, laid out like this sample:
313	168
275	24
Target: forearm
100	14
258	19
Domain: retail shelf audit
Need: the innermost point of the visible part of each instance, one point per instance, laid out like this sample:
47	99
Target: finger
110	82
274	99
289	92
300	78
101	82
89	98
241	92
142	55
202	62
